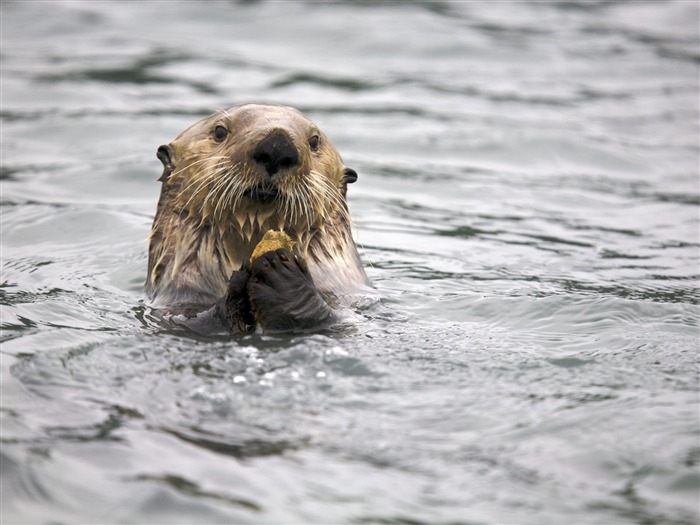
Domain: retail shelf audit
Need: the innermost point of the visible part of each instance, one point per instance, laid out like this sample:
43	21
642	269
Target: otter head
236	174
256	163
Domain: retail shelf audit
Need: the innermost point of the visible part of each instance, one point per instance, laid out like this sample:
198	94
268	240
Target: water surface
527	208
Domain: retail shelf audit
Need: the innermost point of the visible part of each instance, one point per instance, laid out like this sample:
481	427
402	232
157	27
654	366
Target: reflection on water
527	207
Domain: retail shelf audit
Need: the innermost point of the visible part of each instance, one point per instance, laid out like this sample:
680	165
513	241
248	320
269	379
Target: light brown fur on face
216	203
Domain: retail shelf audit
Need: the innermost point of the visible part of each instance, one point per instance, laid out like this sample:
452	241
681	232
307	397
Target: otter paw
283	295
235	310
281	270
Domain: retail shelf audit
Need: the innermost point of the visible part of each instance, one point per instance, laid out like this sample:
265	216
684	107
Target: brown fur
206	225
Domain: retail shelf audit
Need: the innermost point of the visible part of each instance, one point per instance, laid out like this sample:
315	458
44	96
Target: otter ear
165	155
349	176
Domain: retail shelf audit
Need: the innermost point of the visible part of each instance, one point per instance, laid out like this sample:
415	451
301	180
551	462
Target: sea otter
227	180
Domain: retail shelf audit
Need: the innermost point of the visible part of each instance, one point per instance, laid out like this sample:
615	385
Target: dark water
527	208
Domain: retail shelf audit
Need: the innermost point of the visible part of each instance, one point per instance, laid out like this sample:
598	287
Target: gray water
527	209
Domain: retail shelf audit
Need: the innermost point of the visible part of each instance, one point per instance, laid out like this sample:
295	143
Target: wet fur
207	224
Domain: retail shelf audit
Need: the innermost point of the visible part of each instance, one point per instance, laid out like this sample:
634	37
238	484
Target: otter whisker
199	177
195	193
217	190
199	164
186	165
320	195
236	185
214	191
285	205
230	189
327	197
222	194
307	203
210	196
207	178
189	165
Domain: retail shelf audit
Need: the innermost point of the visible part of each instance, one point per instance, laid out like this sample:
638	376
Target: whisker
206	178
190	165
217	190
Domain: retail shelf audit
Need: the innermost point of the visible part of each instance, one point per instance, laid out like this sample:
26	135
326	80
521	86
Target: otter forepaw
234	310
283	295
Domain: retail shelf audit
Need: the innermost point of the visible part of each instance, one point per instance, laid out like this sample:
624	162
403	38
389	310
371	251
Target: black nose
276	152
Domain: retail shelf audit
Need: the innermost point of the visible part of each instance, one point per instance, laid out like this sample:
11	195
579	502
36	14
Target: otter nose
276	152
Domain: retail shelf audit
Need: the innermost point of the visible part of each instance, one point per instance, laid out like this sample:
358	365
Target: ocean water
527	210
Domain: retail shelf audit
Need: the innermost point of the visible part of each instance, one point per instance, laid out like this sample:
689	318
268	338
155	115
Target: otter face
258	163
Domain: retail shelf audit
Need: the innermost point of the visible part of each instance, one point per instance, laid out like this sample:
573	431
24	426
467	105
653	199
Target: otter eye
220	133
313	142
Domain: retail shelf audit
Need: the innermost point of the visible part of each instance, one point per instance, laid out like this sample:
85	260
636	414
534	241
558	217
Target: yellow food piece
271	241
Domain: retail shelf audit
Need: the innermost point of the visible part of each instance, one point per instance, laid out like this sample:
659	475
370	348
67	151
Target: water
527	208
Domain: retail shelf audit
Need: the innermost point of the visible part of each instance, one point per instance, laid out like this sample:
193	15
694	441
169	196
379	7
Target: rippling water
527	208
